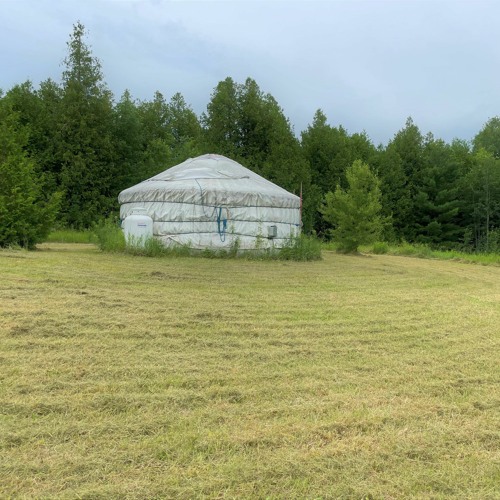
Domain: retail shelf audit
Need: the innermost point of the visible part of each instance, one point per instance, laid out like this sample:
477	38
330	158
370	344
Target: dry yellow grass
352	377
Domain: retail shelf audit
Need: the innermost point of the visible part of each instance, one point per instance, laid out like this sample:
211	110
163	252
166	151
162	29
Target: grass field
351	377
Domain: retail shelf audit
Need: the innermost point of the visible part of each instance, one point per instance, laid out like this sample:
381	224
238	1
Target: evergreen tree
48	133
128	140
329	151
154	117
249	126
25	102
355	212
38	113
86	141
463	159
482	188
184	129
436	202
157	140
182	120
482	193
172	133
318	149
26	212
326	149
396	203
78	142
408	144
286	167
221	122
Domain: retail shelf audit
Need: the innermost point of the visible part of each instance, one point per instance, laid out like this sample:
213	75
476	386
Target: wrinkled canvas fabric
210	201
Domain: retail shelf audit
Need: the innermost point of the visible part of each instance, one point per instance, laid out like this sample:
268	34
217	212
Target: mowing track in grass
352	376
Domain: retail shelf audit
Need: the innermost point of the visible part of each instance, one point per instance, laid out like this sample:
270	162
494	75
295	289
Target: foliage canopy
26	214
355	211
73	138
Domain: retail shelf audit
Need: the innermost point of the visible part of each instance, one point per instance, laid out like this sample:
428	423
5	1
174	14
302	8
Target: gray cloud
367	64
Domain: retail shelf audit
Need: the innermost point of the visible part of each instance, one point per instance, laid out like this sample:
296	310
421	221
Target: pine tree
355	212
436	202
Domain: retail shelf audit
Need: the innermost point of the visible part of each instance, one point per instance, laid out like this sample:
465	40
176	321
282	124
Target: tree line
67	149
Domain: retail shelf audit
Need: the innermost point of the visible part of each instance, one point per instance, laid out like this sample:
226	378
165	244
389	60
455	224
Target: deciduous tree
488	138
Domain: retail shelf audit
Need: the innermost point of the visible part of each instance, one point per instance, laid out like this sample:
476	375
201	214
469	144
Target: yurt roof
213	180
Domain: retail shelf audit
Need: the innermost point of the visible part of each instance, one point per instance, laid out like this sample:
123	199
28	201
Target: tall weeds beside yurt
214	202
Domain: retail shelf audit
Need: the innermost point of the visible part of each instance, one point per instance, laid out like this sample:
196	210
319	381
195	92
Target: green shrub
110	237
300	248
416	250
380	247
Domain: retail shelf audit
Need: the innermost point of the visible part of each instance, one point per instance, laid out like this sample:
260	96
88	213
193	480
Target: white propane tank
138	227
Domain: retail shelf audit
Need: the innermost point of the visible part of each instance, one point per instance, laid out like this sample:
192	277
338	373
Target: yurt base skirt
226	241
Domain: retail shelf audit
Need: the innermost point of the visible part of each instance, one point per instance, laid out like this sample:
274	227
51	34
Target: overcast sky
367	64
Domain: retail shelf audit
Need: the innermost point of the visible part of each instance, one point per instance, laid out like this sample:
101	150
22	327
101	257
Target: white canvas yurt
210	201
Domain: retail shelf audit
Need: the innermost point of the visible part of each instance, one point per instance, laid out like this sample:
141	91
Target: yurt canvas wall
209	201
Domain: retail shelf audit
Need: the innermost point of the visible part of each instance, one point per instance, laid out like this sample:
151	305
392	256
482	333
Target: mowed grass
351	377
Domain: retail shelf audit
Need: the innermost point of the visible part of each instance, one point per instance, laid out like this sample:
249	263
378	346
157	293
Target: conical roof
210	179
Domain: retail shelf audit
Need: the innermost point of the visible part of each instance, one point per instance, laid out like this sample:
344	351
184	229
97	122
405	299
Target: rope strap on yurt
217	211
222	232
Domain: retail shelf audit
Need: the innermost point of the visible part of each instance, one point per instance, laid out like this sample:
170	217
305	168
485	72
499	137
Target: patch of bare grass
348	377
